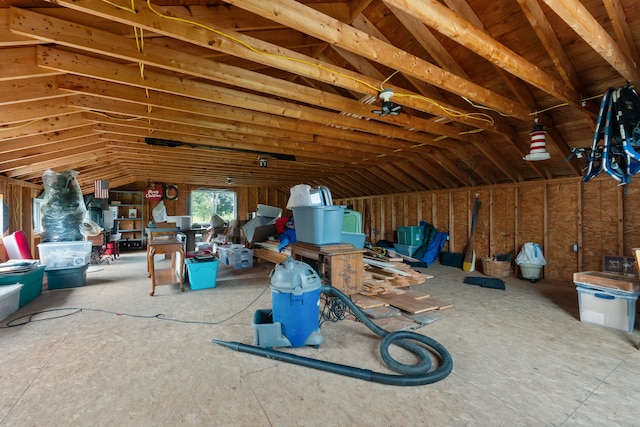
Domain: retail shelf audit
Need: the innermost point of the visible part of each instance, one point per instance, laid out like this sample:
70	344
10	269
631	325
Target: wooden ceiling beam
44	153
447	22
63	158
305	19
279	57
522	92
624	35
20	62
39	127
14	147
576	16
304	130
73	35
32	111
431	44
109	71
29	89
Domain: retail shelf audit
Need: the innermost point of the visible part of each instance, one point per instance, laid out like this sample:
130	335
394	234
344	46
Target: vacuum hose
411	375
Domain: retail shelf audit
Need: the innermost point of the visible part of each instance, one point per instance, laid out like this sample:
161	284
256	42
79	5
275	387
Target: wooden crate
607	280
340	266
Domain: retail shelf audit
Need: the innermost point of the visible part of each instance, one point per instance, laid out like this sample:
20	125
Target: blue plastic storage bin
319	225
407	250
202	274
356	239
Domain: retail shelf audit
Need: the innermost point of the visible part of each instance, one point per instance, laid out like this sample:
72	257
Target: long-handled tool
469	262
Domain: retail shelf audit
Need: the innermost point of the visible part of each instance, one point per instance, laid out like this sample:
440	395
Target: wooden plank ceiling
96	85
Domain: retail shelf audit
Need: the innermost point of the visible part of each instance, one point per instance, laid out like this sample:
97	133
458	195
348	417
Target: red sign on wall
153	193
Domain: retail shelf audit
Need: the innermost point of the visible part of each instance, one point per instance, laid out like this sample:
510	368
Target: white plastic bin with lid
607	307
304	195
58	255
9	300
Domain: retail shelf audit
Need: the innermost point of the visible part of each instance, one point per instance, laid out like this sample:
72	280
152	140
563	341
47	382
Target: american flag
101	189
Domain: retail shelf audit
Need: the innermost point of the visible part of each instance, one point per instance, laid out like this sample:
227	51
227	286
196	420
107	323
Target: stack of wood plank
268	251
385	275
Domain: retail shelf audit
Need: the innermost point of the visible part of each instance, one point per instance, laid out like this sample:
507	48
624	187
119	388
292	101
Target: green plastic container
410	236
352	221
31	283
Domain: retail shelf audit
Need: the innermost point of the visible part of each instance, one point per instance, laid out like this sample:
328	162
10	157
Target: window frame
213	208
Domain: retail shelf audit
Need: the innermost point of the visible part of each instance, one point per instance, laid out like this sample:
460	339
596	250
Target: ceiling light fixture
388	107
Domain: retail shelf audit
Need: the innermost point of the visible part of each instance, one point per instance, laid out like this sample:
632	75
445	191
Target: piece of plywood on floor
396	323
407	303
425	318
441	304
381	312
415	294
364	301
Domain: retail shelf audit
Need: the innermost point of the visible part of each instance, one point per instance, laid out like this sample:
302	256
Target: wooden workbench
338	265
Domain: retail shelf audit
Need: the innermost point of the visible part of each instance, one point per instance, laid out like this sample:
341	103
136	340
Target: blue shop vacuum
294	321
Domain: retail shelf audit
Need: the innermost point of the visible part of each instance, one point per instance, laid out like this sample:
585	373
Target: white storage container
241	258
607	307
183	222
9	299
56	255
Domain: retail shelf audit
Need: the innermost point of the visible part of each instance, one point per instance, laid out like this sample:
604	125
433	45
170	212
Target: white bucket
530	271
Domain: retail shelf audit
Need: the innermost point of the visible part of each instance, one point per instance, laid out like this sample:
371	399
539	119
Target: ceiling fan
388	107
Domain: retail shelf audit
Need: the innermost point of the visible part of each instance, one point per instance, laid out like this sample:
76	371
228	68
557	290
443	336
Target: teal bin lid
294	277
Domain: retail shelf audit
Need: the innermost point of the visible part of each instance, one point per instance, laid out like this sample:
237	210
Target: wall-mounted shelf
129	217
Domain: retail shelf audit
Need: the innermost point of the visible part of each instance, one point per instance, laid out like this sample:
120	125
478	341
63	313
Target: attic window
205	202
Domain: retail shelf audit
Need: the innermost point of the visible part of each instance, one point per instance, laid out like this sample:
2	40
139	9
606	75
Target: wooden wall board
482	237
412	211
426	207
562	229
441	211
461	214
531	203
600	226
502	221
631	222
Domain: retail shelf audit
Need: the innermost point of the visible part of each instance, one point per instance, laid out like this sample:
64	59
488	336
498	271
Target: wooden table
166	276
338	265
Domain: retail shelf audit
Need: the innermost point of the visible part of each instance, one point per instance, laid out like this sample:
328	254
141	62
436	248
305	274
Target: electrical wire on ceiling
449	111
